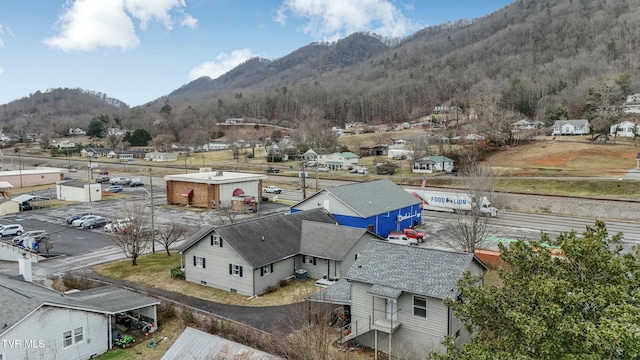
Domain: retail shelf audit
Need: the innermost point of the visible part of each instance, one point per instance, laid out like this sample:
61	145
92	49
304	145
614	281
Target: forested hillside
545	59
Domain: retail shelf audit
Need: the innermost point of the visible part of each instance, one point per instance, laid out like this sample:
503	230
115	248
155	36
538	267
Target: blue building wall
385	222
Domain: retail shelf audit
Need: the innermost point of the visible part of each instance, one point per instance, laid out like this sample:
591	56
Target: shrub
177	273
166	311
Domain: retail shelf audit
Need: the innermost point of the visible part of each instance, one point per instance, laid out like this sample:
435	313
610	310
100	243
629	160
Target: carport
28	202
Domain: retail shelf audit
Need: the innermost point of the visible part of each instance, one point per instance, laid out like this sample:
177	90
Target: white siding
350	257
281	270
316	271
319	200
249	187
41	335
216	271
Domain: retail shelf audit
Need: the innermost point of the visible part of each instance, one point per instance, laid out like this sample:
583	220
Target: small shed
75	190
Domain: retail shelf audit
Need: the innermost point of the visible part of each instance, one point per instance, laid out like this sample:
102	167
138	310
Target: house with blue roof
379	206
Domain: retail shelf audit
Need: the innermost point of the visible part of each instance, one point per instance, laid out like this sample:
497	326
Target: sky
139	50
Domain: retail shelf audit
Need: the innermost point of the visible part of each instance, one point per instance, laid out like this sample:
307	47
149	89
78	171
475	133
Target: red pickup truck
410	233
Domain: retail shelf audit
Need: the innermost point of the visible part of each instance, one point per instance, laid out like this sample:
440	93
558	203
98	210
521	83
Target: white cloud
223	63
86	25
329	19
1	70
89	24
1	35
158	10
189	21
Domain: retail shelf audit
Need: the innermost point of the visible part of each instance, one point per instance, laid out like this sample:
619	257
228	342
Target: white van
401	239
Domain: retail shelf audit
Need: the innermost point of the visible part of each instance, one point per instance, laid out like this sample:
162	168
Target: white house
527	124
160	156
215	145
396	296
316	154
625	128
65	144
429	164
341	160
40	323
398	154
571	127
77	131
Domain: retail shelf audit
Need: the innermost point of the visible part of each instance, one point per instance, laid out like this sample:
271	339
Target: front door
390	309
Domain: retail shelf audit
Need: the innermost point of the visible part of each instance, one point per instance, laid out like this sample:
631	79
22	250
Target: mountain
532	58
303	64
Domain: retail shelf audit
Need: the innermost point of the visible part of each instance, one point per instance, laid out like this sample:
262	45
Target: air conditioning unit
219	173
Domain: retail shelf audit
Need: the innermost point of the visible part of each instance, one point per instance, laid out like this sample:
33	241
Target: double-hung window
267	269
199	261
235	270
216	240
420	306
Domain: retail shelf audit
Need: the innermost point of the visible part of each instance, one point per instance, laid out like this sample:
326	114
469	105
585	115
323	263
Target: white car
80	221
11	230
117	225
323	169
272	189
401	240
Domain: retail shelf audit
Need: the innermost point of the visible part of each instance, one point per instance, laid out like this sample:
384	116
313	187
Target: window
78	334
267	269
216	240
235	270
309	260
420	306
67	340
199	262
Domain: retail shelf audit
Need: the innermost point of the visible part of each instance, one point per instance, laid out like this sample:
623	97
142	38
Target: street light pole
153	229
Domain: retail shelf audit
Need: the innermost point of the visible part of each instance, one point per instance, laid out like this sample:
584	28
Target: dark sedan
75	216
95	223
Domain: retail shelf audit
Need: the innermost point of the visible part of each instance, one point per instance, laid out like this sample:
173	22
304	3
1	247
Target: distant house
95	152
249	256
77	131
65	144
160	156
399	154
429	164
234	121
571	127
339	161
625	128
396	296
215	145
44	324
115	131
375	150
316	154
379	206
527	124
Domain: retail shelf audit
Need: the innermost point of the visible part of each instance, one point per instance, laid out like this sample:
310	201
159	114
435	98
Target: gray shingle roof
329	241
391	268
25	297
265	240
372	197
580	122
338	293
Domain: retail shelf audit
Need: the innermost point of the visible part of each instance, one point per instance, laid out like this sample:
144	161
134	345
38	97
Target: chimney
24	266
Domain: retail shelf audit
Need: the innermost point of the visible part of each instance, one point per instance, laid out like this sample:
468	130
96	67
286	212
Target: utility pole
20	168
89	176
153	229
303	175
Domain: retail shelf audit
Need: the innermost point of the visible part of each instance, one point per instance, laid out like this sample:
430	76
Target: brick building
209	189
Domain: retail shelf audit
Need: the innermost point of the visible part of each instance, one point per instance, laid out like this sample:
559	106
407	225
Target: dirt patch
578	157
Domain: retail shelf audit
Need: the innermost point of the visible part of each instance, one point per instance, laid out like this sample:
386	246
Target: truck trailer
451	202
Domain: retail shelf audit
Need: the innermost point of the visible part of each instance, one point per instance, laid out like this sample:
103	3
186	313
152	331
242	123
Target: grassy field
154	270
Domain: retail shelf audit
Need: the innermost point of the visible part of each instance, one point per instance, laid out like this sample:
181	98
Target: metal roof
196	344
338	293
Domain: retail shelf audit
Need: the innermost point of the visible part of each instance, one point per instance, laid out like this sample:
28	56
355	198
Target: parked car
119	181
104	172
272	170
80	221
72	170
136	182
452	171
95	223
312	164
272	189
30	236
128	161
353	171
363	170
401	239
11	229
114	189
117	225
25	205
69	219
323	169
103	179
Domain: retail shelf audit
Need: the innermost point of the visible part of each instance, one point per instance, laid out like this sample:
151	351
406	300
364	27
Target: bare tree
170	234
471	230
45	139
419	147
134	239
114	140
46	244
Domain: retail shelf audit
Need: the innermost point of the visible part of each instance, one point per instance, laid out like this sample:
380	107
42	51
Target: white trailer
451	202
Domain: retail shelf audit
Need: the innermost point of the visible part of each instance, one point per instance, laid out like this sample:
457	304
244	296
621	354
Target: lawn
155	270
